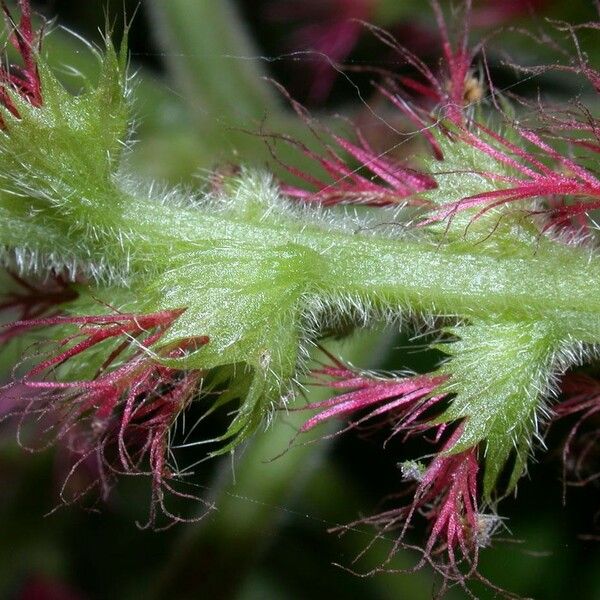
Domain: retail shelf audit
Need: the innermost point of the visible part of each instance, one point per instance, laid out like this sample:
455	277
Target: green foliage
467	171
462	172
59	164
248	302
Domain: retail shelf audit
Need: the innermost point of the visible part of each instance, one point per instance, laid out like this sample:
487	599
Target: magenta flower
446	496
379	181
25	78
451	92
404	399
451	89
446	492
533	178
124	413
544	162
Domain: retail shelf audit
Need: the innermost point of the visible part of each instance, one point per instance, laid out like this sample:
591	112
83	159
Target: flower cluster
117	417
378	181
123	414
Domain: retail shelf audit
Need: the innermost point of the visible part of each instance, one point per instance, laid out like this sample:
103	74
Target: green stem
213	59
552	281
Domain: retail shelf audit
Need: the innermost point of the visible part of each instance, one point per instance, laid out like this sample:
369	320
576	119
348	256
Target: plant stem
552	282
212	58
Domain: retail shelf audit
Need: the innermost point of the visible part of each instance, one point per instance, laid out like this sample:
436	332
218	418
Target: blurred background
200	99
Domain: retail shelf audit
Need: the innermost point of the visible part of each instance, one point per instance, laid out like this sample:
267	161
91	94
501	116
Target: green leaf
250	297
465	172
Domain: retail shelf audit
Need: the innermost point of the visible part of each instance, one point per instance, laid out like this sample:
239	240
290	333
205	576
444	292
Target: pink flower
446	496
446	492
379	181
404	399
451	89
124	413
24	79
542	164
533	179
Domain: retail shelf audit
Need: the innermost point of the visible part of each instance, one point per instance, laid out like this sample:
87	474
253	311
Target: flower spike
228	289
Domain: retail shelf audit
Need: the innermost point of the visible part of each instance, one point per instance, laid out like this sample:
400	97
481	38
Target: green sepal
467	171
249	302
66	152
499	373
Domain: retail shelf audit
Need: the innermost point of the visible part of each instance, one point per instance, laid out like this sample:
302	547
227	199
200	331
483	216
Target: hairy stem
550	282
